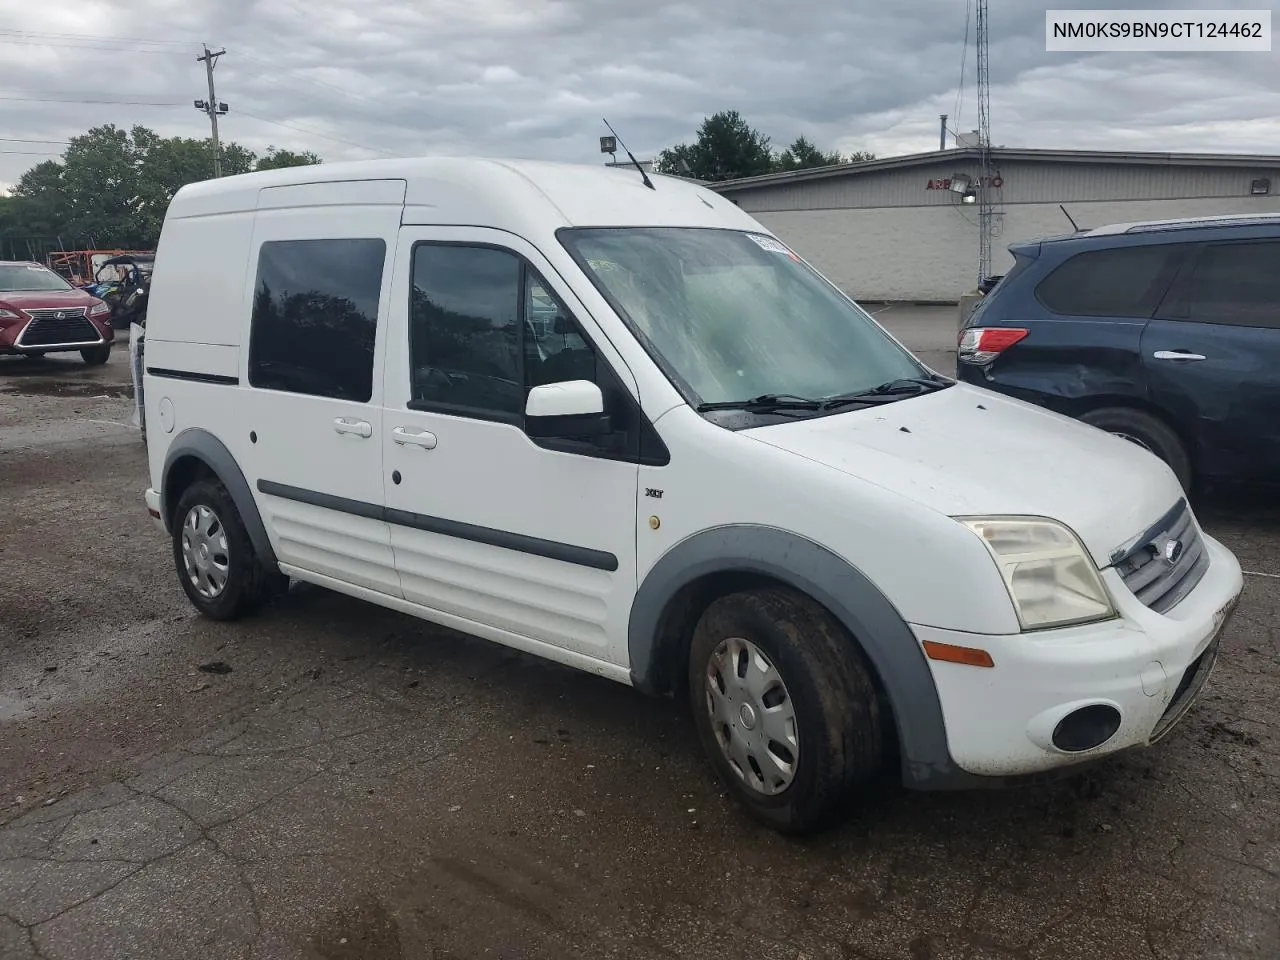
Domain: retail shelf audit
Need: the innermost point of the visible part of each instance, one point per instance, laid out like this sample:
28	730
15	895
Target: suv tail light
984	344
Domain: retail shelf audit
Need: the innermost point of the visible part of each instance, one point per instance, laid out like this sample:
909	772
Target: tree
112	187
802	155
726	149
275	159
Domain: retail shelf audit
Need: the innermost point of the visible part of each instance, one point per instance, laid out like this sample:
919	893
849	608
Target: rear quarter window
1118	282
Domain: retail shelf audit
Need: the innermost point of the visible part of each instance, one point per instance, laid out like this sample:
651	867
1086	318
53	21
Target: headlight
8	315
98	309
1050	576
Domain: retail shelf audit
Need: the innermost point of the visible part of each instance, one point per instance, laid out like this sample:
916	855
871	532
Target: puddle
67	388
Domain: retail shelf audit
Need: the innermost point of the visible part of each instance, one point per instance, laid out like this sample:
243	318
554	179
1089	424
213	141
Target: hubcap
204	551
752	715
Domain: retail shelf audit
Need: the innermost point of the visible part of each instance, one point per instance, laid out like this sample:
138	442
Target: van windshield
730	315
29	278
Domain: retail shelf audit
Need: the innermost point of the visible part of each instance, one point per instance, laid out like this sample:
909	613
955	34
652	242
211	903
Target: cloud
533	78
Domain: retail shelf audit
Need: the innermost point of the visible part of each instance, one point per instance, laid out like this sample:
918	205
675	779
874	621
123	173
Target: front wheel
1148	432
217	566
785	707
96	356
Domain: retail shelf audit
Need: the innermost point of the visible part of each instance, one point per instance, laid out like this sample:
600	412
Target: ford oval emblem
1172	550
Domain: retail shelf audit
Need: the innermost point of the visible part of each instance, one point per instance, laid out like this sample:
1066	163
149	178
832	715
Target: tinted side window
555	349
315	317
485	328
1122	282
1236	283
464	329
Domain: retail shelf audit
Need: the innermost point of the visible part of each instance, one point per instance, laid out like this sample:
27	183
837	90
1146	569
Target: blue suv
1165	333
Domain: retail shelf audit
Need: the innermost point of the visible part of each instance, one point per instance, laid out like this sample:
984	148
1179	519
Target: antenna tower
985	217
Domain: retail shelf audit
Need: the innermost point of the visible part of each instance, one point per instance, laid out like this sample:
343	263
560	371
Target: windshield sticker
768	243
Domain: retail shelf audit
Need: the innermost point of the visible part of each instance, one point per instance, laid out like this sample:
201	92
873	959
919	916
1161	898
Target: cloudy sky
532	78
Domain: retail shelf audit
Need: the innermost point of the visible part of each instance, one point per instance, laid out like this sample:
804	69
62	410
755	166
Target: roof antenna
1068	216
643	176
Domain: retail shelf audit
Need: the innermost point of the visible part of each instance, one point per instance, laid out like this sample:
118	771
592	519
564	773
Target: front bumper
1149	667
40	335
153	508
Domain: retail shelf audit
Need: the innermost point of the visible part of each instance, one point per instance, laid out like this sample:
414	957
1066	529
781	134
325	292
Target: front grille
1167	561
54	328
54	313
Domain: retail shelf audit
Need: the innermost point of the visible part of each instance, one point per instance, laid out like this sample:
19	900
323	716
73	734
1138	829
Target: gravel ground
346	782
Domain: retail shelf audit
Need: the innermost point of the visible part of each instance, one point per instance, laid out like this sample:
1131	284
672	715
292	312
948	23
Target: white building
893	229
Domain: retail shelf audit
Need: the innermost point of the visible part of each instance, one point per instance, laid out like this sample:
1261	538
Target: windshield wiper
888	392
765	403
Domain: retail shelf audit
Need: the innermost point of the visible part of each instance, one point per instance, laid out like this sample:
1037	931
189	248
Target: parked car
1164	333
725	482
41	313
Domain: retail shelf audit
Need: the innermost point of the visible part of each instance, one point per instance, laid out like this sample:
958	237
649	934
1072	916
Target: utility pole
942	133
212	106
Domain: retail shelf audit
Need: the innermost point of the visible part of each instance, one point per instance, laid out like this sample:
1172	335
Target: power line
126	103
305	79
31	153
109	48
316	133
94	36
21	140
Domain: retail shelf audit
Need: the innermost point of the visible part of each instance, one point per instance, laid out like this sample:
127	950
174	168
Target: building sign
995	182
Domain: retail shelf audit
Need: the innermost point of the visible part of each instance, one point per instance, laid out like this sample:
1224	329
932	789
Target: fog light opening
1086	728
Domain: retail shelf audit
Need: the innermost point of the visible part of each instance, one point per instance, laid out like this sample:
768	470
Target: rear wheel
217	566
785	707
1149	432
96	356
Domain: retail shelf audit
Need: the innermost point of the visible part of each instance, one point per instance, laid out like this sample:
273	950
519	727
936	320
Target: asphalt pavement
332	780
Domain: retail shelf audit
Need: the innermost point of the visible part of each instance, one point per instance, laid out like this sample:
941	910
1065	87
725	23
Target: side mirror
573	410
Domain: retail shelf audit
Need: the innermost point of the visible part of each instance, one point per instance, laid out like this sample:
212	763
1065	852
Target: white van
625	428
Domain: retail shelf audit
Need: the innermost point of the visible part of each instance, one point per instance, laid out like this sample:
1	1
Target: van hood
967	451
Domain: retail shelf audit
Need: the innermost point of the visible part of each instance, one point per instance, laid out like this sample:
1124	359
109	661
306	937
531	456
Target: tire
834	739
228	580
1147	431
96	356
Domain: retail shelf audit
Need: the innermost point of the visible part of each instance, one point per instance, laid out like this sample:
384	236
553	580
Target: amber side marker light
969	656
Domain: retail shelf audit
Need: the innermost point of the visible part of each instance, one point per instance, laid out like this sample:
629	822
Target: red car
41	313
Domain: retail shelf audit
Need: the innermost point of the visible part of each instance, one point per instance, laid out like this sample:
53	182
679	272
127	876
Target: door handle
403	435
359	428
1178	355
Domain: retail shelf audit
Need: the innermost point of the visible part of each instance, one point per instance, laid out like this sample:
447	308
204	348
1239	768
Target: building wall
889	253
1023	182
885	236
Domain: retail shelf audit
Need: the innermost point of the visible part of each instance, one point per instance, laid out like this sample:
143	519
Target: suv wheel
96	356
784	706
1148	432
217	565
